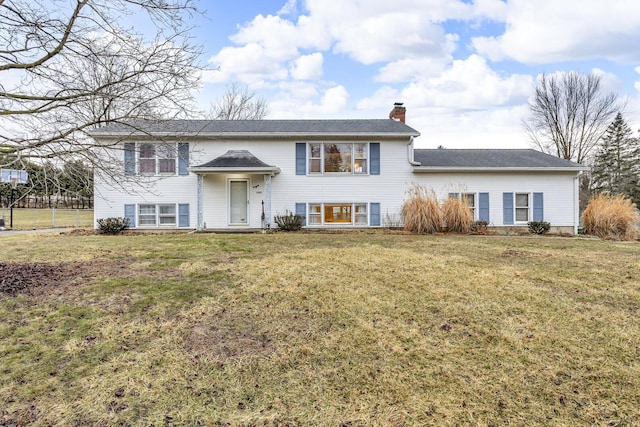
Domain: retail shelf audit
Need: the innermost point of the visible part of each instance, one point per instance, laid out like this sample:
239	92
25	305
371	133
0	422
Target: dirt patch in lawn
39	279
226	335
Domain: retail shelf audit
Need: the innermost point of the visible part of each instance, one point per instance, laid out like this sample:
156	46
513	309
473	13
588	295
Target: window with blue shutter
129	158
301	209
538	207
374	214
183	158
374	152
301	158
507	208
130	214
483	207
183	215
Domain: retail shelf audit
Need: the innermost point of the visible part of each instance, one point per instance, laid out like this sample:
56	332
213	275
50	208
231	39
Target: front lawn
303	329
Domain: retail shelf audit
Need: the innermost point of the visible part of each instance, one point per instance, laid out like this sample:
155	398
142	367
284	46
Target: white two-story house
204	174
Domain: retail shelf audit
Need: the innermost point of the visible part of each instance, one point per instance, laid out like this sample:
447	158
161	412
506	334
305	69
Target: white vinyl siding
386	191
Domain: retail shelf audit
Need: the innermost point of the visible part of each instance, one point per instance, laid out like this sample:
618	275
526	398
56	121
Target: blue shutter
374	153
301	209
538	207
374	214
130	213
301	158
507	207
129	158
183	215
183	158
483	207
454	195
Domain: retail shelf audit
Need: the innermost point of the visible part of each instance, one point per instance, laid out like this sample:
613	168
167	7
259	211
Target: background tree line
51	186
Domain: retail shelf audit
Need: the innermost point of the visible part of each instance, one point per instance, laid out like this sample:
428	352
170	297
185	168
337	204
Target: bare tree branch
569	114
68	67
238	103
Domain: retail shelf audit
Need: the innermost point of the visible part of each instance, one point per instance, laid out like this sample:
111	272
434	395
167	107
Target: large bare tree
569	113
238	103
70	66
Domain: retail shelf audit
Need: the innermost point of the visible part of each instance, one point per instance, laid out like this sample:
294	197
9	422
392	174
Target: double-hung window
522	207
147	158
166	159
344	158
157	215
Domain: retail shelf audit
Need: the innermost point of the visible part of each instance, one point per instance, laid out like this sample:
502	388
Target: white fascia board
253	135
257	170
441	169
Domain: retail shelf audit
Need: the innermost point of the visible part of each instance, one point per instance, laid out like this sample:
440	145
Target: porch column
267	201
200	191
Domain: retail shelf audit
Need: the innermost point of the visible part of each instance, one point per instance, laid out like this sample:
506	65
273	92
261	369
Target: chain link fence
32	219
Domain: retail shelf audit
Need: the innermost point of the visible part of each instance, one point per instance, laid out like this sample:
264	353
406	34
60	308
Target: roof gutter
440	169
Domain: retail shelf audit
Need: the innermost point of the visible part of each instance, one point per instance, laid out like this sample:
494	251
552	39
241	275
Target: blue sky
464	69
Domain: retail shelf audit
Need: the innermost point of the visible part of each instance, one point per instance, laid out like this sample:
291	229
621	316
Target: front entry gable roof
236	161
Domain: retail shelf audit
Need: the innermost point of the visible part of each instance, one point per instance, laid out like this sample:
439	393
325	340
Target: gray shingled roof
236	159
489	159
258	127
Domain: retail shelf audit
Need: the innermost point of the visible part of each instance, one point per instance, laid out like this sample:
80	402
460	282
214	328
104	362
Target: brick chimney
399	112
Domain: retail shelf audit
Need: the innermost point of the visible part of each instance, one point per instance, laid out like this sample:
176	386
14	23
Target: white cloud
249	64
395	34
552	31
391	37
291	7
293	103
308	67
492	128
383	98
469	85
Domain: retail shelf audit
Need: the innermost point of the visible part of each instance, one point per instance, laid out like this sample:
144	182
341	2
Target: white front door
238	202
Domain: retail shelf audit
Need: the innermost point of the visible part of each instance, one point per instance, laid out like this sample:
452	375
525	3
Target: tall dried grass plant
457	215
421	212
611	217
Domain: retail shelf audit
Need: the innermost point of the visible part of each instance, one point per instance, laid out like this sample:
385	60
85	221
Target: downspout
412	162
576	203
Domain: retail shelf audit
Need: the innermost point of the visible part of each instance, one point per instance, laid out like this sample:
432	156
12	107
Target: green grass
319	329
27	219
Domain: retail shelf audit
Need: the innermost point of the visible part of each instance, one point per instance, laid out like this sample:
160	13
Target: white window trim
322	172
515	207
354	214
156	158
157	215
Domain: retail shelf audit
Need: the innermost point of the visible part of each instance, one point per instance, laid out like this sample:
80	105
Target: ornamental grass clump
611	217
421	212
457	215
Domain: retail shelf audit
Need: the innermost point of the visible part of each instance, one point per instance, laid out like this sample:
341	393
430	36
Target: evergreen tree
615	165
